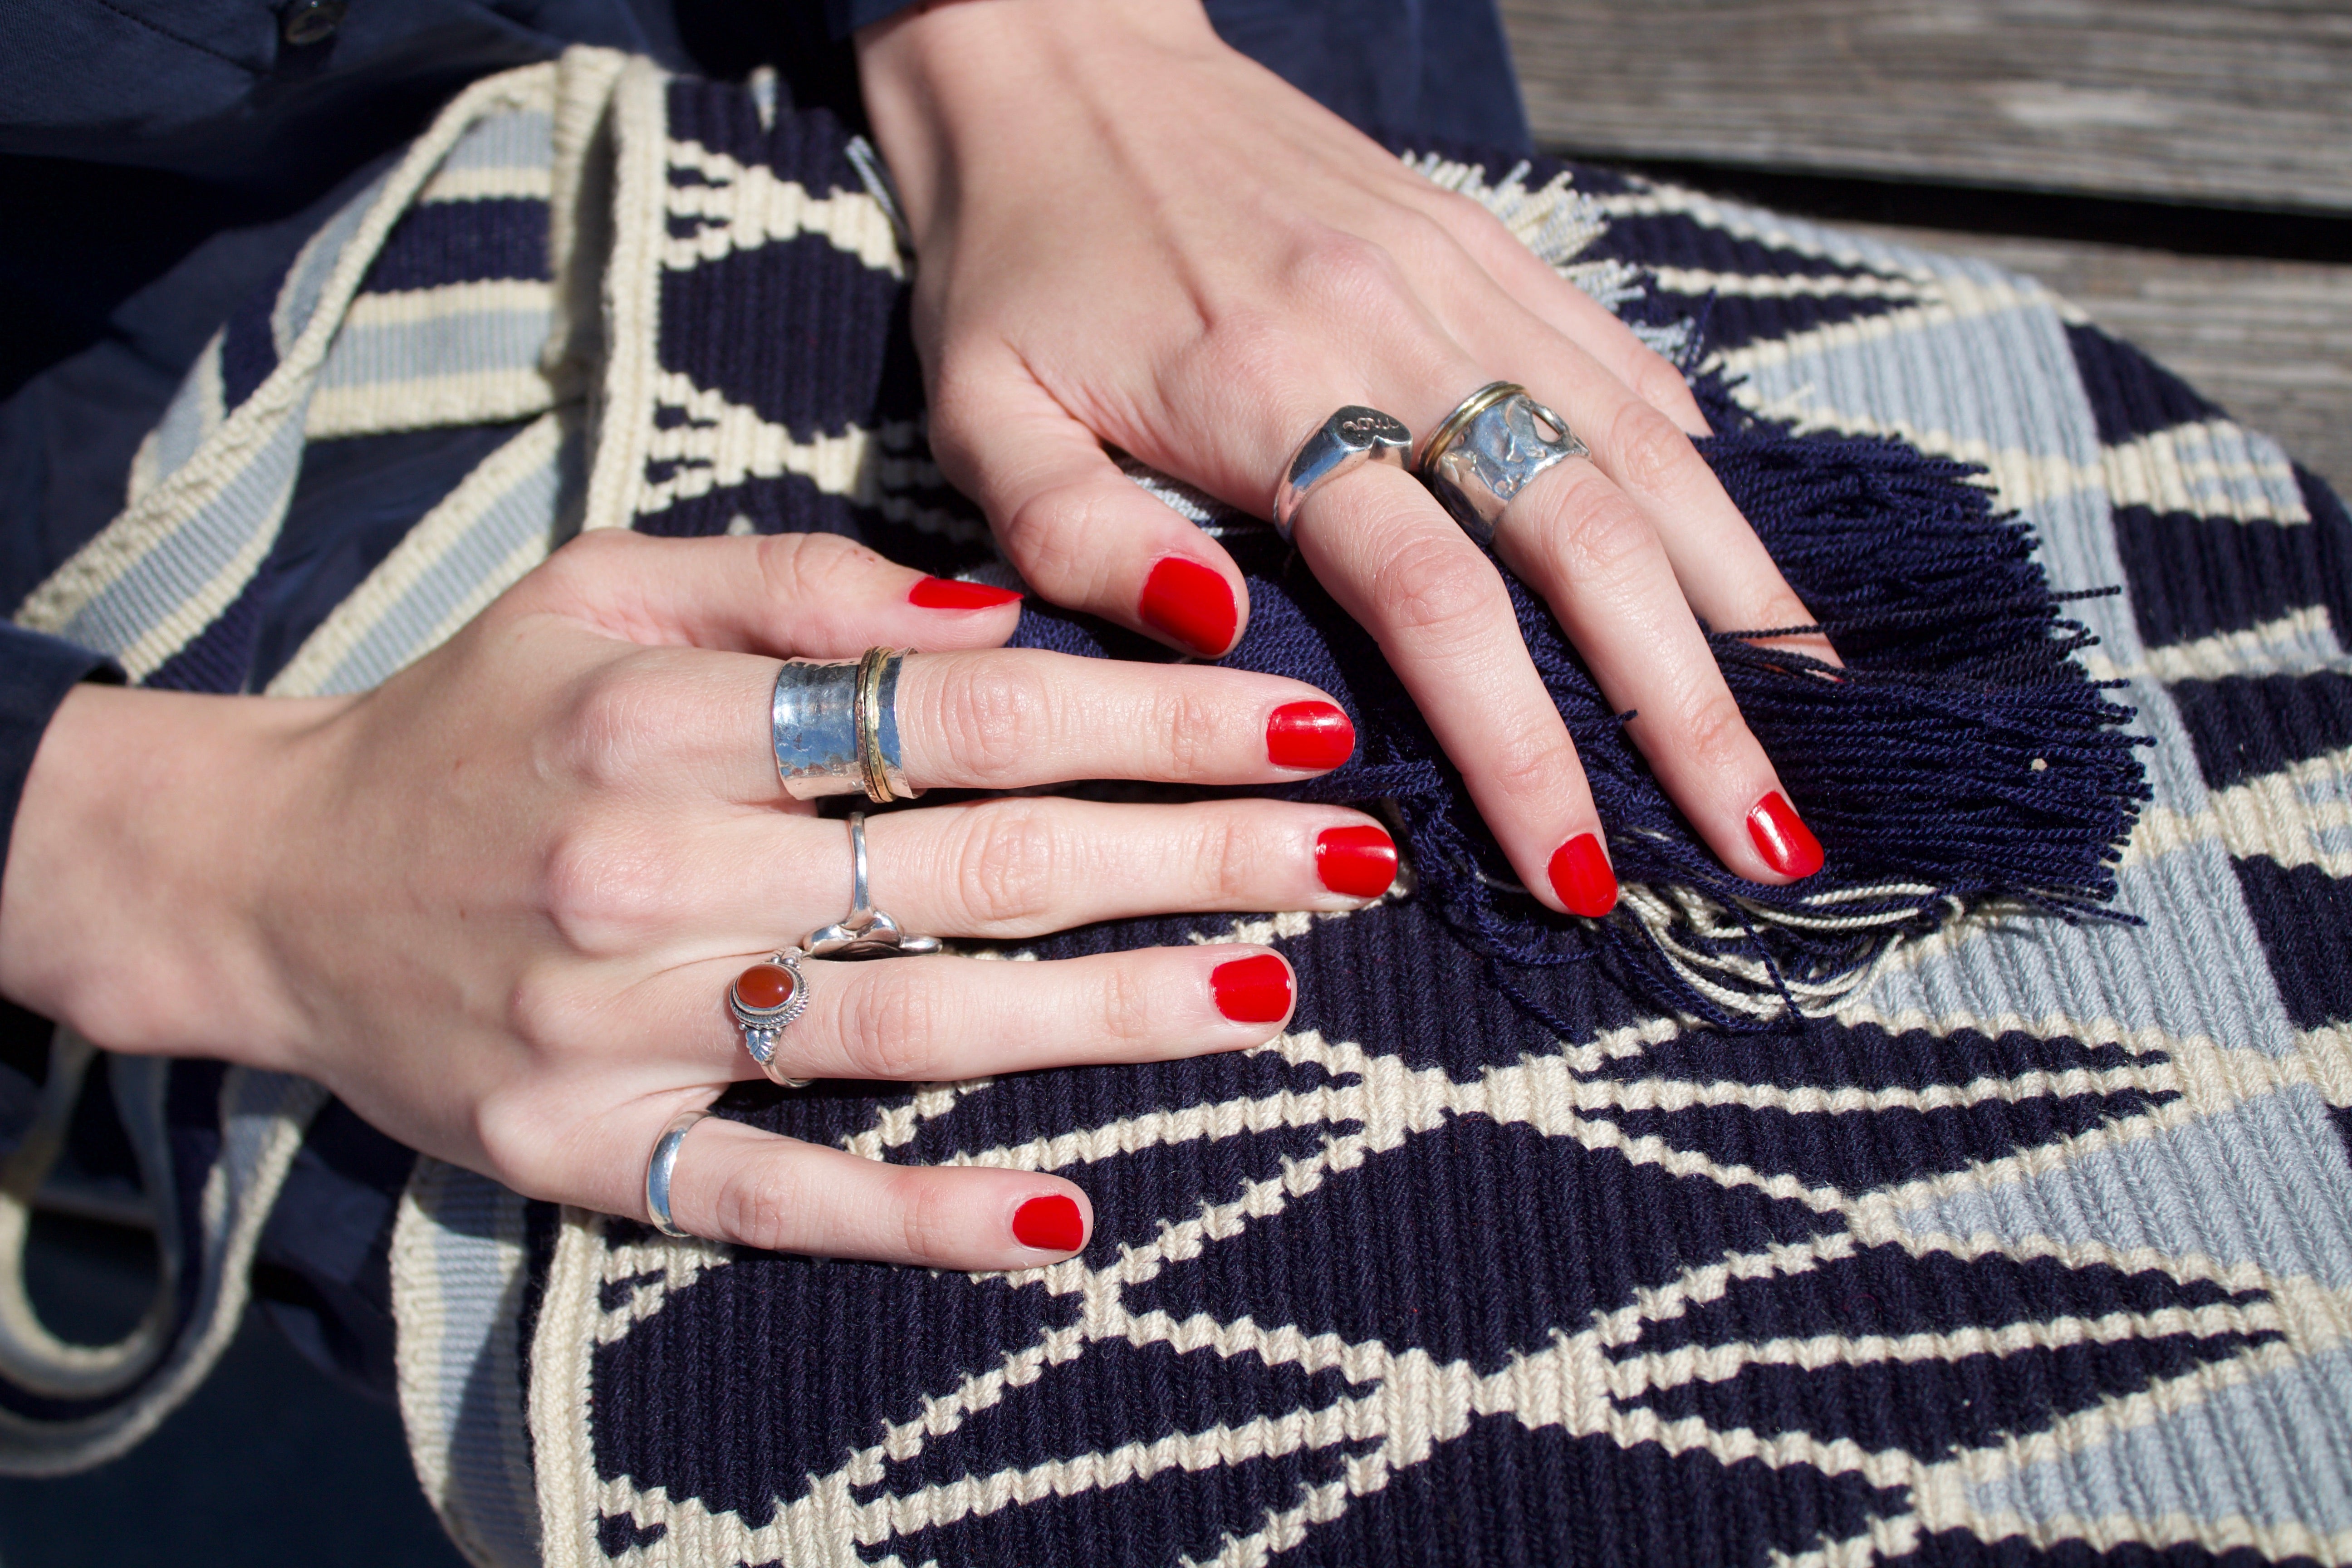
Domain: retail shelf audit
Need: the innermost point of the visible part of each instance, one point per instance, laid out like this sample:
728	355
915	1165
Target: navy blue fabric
35	673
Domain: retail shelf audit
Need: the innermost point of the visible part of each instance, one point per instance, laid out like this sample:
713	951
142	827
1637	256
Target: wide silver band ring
662	1166
1490	448
865	932
1345	442
762	1018
835	724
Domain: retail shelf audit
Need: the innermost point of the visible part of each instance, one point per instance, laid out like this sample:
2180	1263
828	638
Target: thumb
784	595
1081	532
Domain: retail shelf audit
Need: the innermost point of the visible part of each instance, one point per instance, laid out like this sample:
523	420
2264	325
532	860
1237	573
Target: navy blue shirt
161	159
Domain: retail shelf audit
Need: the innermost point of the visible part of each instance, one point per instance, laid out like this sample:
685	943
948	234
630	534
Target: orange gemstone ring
765	999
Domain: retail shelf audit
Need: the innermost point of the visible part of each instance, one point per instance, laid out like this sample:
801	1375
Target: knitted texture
2017	1239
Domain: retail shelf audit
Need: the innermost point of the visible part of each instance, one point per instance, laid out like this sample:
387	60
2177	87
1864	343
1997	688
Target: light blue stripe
193	554
526	510
443	346
514	139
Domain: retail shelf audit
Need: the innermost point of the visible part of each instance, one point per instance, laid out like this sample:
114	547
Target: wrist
940	77
132	900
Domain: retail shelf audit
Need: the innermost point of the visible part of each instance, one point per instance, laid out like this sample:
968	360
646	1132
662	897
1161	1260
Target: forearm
137	868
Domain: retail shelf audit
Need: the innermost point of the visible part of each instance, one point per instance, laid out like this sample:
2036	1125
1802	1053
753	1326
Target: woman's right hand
496	904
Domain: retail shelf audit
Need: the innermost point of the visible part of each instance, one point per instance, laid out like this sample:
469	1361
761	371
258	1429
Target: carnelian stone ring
764	1000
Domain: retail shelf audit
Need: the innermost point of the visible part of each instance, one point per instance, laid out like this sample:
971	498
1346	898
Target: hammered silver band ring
835	727
1489	449
1351	437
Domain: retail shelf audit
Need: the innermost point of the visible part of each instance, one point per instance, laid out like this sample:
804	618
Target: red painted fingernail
1357	861
1315	736
1191	604
1581	877
947	594
1787	845
1050	1224
1253	990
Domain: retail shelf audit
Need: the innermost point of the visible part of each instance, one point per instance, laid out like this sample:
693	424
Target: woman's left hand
1129	234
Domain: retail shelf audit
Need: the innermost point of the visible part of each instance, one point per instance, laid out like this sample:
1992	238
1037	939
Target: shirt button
311	21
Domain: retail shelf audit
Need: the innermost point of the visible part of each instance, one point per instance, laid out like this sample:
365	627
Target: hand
496	904
1128	232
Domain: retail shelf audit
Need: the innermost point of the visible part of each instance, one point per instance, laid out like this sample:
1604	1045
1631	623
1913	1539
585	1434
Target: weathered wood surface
2235	102
2268	340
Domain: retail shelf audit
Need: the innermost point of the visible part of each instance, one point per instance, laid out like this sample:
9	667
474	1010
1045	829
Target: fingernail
1050	1224
1191	604
1581	877
1787	845
1315	736
1360	862
947	594
1253	990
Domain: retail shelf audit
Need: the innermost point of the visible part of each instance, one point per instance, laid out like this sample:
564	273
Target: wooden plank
2244	102
2268	340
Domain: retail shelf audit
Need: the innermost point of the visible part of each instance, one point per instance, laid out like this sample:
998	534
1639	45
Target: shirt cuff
36	674
847	16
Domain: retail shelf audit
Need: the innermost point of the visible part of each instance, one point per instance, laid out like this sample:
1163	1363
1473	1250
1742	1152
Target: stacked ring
1490	448
835	727
765	999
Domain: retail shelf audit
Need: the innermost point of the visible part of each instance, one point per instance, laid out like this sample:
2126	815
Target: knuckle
1346	273
923	1205
1529	765
994	712
1189	723
1126	1006
1229	862
1648	450
1434	583
603	890
1604	538
1654	380
1711	726
1007	867
614	714
758	1203
891	1029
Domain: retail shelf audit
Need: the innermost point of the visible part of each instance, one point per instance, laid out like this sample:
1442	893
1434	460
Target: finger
1582	542
1015	718
1438	609
946	1017
1725	573
811	594
1017	867
736	1184
1082	534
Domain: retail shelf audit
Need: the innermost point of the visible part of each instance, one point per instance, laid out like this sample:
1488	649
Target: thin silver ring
662	1166
834	726
1490	448
865	932
1351	437
762	1025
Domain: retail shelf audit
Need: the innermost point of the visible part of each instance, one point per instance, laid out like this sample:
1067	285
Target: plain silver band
865	932
1490	448
1345	442
663	1166
813	713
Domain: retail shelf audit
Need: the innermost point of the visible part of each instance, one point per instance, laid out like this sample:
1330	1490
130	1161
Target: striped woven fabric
2027	1241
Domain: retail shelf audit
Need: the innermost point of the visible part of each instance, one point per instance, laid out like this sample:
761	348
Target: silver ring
765	1014
865	932
1490	448
663	1166
835	727
1351	437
